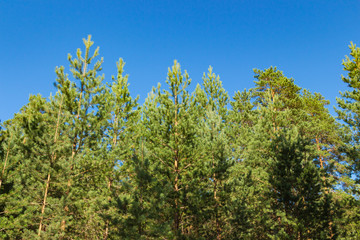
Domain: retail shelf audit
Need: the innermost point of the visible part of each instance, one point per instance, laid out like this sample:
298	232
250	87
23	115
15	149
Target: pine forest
270	162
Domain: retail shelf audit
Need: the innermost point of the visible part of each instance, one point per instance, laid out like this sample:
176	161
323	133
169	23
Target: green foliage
300	202
90	163
349	113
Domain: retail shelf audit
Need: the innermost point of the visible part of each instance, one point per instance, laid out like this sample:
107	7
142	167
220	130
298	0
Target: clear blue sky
305	39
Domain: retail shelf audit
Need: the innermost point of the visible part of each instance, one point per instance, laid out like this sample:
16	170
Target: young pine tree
349	112
85	101
170	123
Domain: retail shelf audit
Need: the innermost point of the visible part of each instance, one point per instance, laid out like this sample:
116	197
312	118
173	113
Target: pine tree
281	106
273	81
348	104
10	137
299	198
348	112
324	130
120	139
89	163
170	124
277	99
37	152
217	161
85	101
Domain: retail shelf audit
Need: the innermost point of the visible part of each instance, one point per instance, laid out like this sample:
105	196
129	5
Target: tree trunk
3	170
177	214
44	203
318	148
176	188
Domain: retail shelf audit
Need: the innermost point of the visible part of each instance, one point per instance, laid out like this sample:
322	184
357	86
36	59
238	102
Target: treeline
268	163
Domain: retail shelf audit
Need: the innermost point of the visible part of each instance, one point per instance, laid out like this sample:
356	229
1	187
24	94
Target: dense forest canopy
270	162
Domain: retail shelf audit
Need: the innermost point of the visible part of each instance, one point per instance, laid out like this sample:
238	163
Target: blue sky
307	40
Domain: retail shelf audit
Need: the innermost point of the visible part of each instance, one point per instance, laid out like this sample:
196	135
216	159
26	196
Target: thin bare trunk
106	230
140	226
318	148
176	187
44	203
3	170
6	160
177	220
